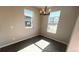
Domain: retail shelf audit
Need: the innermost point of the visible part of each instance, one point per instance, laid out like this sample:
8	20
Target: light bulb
44	12
49	10
40	11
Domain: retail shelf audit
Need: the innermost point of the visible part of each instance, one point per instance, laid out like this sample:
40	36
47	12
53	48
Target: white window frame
28	16
53	26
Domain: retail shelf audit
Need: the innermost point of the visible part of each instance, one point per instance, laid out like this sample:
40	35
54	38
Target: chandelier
45	11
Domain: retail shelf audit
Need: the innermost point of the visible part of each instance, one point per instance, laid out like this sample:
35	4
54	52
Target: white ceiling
40	7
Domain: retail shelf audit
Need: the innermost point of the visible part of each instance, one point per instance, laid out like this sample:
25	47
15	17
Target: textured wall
74	42
65	25
12	25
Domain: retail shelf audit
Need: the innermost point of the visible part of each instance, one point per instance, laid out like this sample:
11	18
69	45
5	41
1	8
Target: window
53	20
28	14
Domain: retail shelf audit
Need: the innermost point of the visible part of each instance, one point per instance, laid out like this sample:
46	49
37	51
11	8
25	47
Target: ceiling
40	7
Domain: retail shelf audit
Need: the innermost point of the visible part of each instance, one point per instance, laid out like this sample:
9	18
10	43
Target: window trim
56	24
31	19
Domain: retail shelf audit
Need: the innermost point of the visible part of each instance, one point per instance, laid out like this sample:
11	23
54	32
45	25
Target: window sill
28	27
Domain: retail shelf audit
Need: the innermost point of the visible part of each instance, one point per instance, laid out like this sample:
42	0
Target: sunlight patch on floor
35	47
42	43
31	48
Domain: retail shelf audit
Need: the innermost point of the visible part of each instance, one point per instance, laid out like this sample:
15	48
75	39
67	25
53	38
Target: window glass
28	14
53	21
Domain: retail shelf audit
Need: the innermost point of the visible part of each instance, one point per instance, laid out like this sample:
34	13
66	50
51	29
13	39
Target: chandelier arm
44	11
45	8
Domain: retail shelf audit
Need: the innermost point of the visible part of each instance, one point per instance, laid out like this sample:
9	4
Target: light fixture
45	11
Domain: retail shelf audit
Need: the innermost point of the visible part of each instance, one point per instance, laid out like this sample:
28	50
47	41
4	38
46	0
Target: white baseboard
55	39
25	38
16	41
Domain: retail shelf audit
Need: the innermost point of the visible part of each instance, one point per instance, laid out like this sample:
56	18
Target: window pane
53	21
28	14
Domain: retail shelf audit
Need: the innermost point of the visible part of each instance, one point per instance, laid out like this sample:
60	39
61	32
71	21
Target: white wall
74	42
14	17
65	26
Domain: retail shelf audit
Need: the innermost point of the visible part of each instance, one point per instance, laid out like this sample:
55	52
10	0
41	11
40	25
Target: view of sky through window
28	13
53	21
